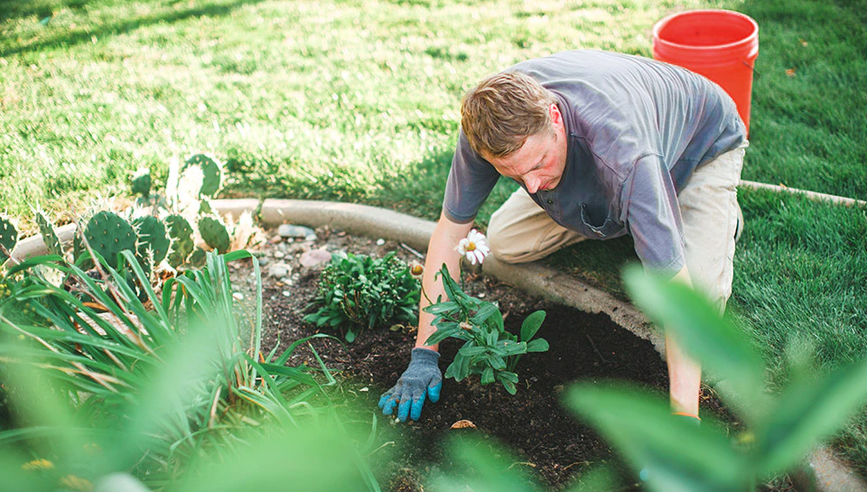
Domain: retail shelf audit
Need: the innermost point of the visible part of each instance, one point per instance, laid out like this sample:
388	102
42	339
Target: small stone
263	260
120	482
314	257
286	293
365	389
380	242
238	296
289	230
279	254
286	281
276	239
279	270
310	237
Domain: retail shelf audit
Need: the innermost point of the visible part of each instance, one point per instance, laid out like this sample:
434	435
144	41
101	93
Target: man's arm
422	379
441	249
684	374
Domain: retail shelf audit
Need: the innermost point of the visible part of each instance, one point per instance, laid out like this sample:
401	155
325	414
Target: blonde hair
500	113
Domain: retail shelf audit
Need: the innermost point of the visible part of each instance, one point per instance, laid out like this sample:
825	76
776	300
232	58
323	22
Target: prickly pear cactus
151	236
49	237
141	183
213	175
8	239
197	259
215	234
182	240
108	235
205	207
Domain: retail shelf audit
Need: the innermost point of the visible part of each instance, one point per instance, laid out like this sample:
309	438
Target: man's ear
556	117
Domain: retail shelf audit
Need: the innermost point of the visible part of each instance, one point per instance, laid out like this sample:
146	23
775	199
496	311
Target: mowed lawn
359	101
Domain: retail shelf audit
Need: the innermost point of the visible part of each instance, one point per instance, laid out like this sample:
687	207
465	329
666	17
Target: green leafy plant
359	291
158	387
675	455
489	350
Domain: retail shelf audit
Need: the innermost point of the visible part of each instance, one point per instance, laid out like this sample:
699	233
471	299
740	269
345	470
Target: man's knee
501	246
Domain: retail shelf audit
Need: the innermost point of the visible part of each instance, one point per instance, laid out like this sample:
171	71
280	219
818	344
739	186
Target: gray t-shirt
636	130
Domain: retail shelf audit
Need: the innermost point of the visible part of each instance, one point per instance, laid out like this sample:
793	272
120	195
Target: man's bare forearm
441	249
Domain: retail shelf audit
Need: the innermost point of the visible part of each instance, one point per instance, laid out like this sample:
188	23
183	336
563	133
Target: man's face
540	162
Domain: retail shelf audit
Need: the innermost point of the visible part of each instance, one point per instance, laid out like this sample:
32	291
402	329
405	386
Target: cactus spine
8	239
108	235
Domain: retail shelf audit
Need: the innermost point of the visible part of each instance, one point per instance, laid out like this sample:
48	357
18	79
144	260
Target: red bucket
720	44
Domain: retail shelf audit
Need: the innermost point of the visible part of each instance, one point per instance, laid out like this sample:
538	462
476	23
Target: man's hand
422	378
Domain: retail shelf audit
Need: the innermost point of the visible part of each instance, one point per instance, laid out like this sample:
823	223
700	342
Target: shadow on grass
86	33
415	189
41	9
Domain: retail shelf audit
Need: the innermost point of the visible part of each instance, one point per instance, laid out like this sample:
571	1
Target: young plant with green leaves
360	291
489	350
781	428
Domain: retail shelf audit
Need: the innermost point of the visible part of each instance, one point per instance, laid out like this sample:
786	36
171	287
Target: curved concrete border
831	474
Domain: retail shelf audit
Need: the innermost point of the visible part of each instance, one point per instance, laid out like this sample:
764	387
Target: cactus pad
215	234
141	184
8	238
49	237
212	174
151	236
197	259
181	235
108	235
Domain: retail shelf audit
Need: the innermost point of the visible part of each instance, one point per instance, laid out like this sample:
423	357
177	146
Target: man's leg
711	221
520	231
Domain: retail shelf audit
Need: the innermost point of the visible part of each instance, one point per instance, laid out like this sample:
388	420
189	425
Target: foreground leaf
677	456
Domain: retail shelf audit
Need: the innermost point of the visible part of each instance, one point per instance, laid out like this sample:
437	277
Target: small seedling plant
358	291
489	350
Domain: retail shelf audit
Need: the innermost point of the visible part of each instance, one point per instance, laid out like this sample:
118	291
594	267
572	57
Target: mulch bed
533	425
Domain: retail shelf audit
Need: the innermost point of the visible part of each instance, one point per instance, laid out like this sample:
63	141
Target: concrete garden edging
831	474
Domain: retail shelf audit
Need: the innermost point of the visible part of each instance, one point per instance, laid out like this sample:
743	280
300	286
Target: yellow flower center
471	246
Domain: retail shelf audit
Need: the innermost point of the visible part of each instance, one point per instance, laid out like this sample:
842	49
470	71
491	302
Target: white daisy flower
474	247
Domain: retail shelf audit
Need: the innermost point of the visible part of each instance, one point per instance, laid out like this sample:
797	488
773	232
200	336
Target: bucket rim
750	39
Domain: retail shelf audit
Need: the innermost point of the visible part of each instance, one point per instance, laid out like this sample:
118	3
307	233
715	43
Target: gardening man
602	145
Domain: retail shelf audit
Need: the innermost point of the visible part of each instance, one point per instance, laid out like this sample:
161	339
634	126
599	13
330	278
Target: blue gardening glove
422	377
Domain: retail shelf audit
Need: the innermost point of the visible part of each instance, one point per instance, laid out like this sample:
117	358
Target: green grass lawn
359	101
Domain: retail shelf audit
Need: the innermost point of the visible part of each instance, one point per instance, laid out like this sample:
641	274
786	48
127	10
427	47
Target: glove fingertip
383	399
403	410
433	393
417	406
388	408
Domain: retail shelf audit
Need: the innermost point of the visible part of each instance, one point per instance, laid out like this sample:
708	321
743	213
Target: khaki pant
521	231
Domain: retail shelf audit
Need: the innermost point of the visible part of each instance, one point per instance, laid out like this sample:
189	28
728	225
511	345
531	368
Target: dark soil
534	426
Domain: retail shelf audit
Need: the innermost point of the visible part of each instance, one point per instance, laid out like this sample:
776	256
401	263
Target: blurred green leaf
807	411
597	479
486	467
716	342
677	456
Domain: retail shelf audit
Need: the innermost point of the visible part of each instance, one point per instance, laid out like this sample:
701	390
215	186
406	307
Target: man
602	145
